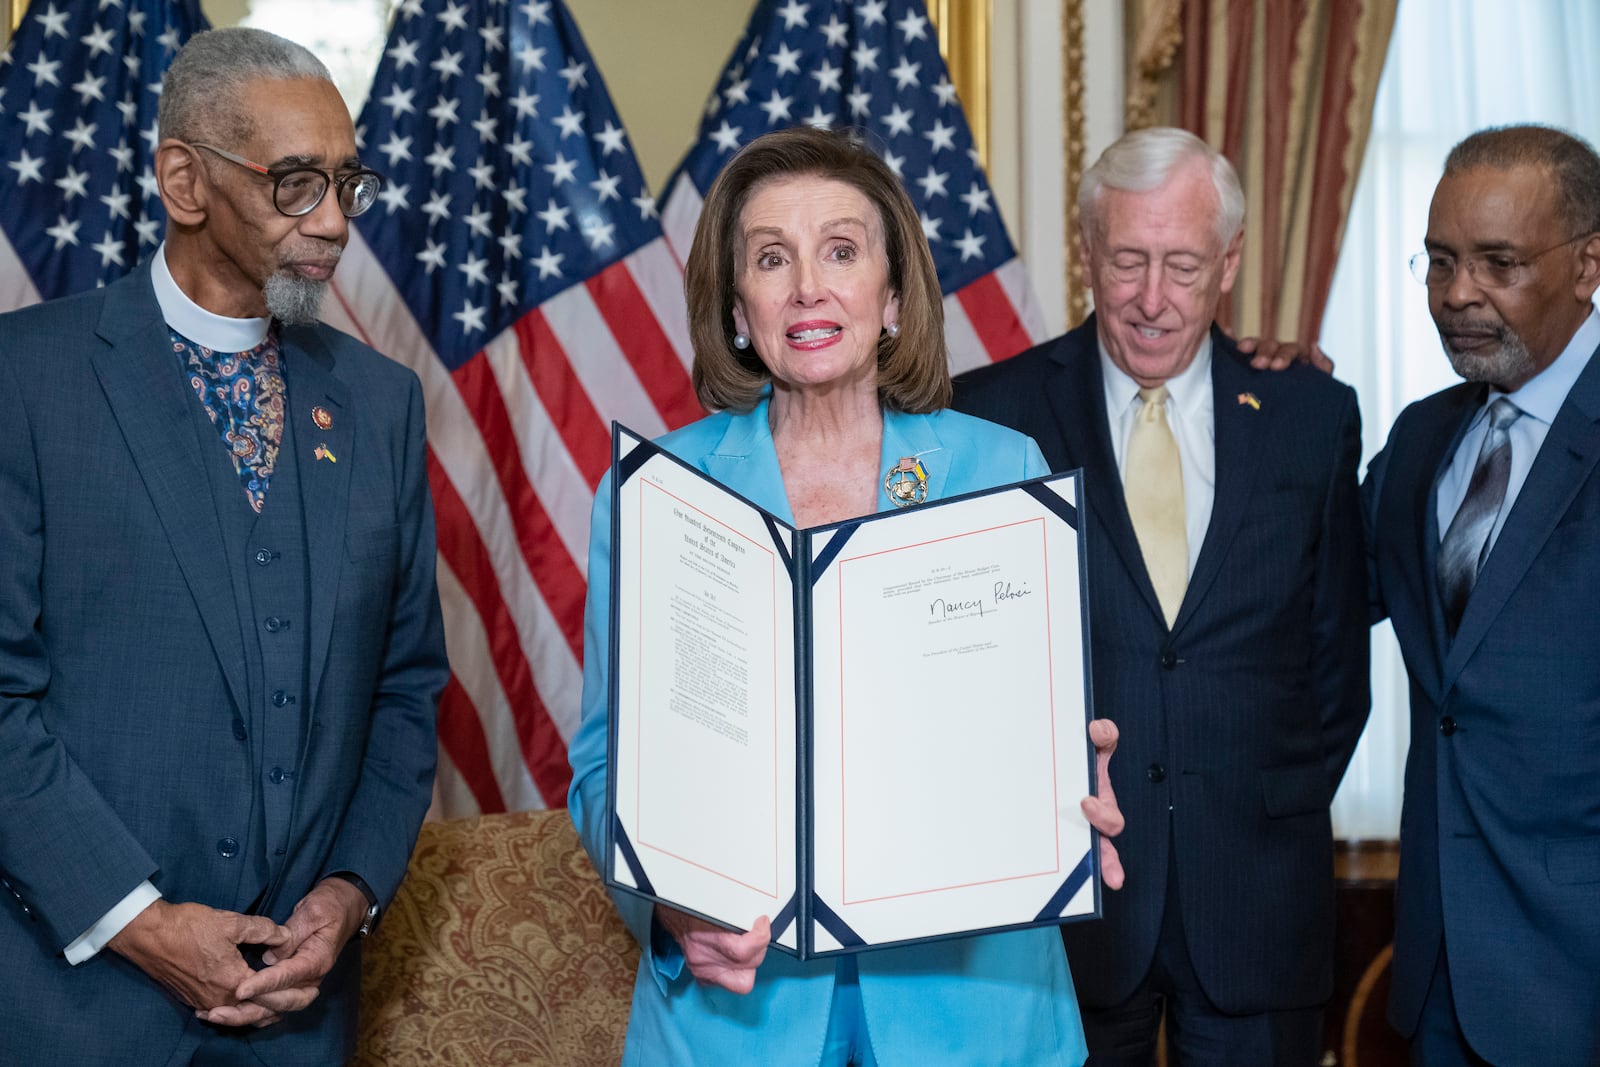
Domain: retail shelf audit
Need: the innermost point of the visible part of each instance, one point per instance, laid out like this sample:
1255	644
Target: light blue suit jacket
996	999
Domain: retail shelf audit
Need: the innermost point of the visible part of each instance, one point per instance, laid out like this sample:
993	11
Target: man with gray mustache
1483	515
220	639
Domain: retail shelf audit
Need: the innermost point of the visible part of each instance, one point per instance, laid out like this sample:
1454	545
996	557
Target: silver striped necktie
1466	542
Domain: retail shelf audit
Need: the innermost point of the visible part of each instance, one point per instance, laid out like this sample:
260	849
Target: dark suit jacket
1502	805
122	665
1241	718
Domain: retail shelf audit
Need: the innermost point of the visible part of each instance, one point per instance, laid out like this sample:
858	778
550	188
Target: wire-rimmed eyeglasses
1491	270
298	190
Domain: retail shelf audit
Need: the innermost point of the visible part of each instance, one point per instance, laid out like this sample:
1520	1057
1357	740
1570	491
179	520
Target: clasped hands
193	951
724	958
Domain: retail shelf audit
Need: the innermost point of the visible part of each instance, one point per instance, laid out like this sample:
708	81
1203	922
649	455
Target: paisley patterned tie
243	392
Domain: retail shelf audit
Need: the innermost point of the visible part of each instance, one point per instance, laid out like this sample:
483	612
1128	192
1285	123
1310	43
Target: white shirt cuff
89	943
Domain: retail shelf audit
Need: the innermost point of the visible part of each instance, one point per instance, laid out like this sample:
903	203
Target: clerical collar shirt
1191	416
216	332
1539	400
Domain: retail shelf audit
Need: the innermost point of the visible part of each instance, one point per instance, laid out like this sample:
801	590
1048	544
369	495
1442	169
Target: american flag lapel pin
321	452
1249	399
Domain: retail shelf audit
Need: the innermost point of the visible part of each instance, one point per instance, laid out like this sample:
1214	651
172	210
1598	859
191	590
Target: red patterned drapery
1284	88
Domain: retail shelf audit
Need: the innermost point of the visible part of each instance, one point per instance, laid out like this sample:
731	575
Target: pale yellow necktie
1152	484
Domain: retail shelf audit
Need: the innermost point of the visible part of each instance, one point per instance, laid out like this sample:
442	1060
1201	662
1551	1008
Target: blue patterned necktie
1466	542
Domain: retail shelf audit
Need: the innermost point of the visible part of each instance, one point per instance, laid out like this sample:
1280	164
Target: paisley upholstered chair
502	948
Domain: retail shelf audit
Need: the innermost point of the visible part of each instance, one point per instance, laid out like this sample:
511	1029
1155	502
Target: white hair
201	93
1143	160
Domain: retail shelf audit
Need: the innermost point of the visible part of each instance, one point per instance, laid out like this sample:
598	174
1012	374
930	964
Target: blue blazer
123	754
1238	722
996	999
1500	831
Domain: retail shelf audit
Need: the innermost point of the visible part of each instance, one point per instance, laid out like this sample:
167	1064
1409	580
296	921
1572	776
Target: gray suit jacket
123	754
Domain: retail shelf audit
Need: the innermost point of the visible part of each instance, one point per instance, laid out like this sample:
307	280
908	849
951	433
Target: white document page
705	728
950	748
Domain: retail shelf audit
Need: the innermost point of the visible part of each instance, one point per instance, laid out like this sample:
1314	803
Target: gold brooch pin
321	452
1250	399
906	483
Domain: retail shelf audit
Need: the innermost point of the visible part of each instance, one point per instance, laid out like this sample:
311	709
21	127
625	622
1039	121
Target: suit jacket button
1447	725
227	848
1169	660
1156	773
238	729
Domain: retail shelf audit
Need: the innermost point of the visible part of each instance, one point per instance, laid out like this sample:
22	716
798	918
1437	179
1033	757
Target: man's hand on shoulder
193	950
318	929
1276	355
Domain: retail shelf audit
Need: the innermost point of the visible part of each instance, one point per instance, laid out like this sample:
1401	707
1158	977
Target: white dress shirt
1539	400
1191	417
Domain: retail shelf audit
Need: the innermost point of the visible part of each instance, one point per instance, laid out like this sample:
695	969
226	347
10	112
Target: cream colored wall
226	12
661	59
1027	164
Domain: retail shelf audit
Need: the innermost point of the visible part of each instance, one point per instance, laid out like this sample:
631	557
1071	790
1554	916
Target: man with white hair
1228	619
220	637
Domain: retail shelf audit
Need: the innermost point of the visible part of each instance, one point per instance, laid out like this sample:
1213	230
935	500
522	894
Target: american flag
875	65
516	263
79	85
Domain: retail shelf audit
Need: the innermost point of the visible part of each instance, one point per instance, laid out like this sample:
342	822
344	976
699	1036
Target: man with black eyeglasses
220	640
1484	537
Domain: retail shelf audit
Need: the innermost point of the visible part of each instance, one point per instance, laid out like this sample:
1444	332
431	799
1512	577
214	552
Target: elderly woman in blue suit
818	332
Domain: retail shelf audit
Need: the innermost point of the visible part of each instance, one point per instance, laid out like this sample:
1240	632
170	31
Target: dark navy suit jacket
122	666
1238	722
1500	832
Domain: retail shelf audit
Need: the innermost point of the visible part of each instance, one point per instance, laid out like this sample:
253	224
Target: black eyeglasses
1491	270
298	190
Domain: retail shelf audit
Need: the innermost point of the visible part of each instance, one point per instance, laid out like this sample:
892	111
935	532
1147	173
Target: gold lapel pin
906	482
1250	399
322	417
321	452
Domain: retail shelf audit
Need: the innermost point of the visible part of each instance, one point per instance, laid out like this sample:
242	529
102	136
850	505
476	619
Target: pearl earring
740	341
893	329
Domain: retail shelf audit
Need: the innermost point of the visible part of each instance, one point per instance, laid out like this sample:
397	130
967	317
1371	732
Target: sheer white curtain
1454	66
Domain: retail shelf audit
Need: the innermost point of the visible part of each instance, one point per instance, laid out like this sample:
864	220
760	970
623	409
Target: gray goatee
294	299
1508	362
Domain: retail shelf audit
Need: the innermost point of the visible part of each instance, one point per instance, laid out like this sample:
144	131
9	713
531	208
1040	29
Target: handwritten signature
941	608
